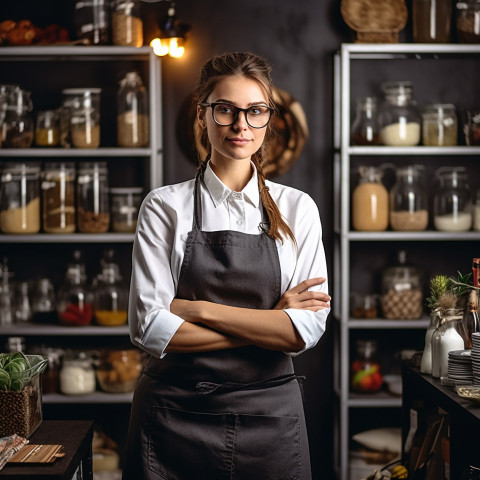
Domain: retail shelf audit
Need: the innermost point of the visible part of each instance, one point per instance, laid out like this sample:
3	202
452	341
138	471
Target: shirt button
239	222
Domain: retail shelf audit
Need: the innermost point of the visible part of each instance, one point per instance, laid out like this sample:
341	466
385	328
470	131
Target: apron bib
228	414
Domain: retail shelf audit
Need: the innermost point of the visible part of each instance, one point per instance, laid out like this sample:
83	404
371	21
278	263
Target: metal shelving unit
348	242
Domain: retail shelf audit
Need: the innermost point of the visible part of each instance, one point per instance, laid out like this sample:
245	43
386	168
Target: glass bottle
23	308
58	199
132	112
408	200
44	302
439	125
127	24
91	20
432	21
47	130
370	201
364	129
77	375
7	315
93	210
426	362
111	294
366	376
452	202
468	21
19	120
398	116
85	118
20	198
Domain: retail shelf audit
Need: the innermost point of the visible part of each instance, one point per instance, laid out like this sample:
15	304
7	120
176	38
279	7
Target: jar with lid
127	24
408	200
77	375
111	293
364	129
366	375
439	125
85	117
92	22
93	210
118	370
452	203
125	203
468	21
47	130
58	199
132	112
431	21
6	91
364	305
398	116
19	120
20	197
402	291
370	201
44	302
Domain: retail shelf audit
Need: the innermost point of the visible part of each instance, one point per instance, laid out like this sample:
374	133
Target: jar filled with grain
408	200
431	21
468	21
398	116
20	197
439	125
127	25
58	197
47	131
19	120
132	112
93	209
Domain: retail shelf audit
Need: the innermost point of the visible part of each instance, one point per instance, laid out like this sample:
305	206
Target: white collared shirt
166	217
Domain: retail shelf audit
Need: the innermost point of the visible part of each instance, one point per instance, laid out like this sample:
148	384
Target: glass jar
432	21
452	202
20	198
51	376
23	308
364	129
93	210
91	20
125	203
7	313
468	21
111	294
366	375
47	131
408	200
6	91
370	201
132	112
118	370
127	24
364	305
426	362
402	291
439	125
77	376
19	120
85	119
398	116
58	199
44	302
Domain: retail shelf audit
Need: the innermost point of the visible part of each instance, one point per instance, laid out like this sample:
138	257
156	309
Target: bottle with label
364	129
432	21
127	24
91	20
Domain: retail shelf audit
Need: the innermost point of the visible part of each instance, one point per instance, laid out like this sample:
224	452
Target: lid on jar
410	170
131	78
370	174
18	168
126	190
60	166
439	108
81	91
92	166
474	4
451	173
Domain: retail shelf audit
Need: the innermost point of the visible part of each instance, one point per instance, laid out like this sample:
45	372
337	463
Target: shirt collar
220	192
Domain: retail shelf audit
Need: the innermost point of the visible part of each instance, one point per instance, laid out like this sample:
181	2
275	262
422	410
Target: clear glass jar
20	198
23	308
85	119
426	362
370	201
468	21
47	130
91	20
431	21
364	305
402	291
398	116
132	112
439	125
127	24
44	302
364	129
58	199
125	203
19	120
452	202
366	374
118	370
471	127
77	375
111	294
408	200
93	210
6	91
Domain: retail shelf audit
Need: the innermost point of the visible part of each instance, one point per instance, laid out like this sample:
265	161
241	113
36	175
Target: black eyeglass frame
238	110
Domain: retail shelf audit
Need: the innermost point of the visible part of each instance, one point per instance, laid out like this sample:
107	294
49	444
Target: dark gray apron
228	414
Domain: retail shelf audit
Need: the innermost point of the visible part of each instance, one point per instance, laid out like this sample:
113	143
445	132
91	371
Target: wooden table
76	437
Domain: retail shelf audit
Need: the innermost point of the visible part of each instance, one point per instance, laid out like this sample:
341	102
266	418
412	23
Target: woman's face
238	141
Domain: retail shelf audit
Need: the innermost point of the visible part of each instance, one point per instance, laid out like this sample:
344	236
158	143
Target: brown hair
255	68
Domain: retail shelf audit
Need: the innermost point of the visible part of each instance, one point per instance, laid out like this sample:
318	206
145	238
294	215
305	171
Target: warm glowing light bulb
160	48
176	50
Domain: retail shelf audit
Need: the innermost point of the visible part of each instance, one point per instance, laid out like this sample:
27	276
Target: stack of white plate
460	370
476	358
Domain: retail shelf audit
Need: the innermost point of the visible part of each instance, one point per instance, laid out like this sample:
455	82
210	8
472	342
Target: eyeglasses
225	114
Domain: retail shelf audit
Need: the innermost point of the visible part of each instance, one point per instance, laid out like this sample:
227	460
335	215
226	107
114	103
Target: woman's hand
302	298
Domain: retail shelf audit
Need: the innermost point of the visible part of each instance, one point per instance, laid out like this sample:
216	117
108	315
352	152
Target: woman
228	283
